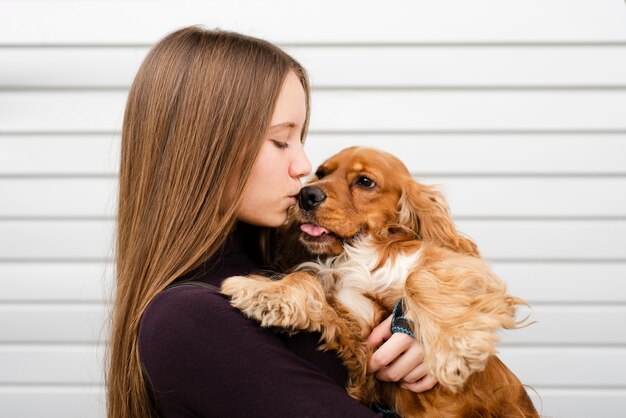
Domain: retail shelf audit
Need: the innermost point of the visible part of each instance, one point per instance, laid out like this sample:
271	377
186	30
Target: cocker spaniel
381	237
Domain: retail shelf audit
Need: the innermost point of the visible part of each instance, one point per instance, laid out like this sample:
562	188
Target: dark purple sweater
203	358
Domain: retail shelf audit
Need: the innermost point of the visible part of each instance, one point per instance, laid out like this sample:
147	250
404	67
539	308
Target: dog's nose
311	197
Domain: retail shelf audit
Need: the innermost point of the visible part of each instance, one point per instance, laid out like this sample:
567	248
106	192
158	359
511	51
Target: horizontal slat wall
59	401
516	239
56	282
481	21
77	369
71	400
25	322
353	110
483	66
567	282
430	154
80	364
562	197
516	113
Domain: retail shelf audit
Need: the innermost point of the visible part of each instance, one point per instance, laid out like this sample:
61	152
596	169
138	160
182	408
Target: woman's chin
268	221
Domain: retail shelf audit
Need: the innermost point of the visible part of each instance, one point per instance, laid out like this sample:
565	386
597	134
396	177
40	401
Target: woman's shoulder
191	313
196	293
191	322
186	307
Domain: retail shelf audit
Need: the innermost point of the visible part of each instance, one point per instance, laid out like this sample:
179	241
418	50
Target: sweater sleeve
204	358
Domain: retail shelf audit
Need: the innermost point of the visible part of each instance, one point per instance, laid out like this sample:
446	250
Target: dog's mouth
317	233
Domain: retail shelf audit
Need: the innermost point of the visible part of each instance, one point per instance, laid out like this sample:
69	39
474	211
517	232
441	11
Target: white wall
517	108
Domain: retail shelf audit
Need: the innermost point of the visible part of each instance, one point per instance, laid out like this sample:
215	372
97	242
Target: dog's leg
458	305
296	302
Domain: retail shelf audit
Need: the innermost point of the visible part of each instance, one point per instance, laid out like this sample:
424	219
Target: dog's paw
248	294
455	363
240	286
261	299
451	371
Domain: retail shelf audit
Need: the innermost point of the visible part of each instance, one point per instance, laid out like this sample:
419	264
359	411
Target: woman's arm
205	358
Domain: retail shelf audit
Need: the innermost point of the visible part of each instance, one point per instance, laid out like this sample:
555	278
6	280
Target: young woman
212	156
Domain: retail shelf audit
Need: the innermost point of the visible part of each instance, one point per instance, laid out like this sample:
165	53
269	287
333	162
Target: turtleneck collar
235	257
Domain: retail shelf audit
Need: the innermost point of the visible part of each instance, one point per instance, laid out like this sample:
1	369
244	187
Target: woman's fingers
415	374
422	385
406	367
398	358
395	346
379	334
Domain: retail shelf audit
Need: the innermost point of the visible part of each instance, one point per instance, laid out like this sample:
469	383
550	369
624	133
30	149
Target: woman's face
274	183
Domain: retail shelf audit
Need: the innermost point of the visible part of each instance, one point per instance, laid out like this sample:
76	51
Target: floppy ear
423	209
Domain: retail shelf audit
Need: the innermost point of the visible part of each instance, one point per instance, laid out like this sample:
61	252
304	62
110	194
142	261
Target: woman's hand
398	358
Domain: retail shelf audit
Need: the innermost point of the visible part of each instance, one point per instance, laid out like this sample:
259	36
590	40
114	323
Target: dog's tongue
313	230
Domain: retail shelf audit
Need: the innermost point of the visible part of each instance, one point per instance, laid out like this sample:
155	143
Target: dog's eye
365	182
319	174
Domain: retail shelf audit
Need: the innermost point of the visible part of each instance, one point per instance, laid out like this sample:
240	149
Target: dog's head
367	191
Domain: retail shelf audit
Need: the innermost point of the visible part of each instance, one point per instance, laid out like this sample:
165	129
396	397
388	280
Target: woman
211	157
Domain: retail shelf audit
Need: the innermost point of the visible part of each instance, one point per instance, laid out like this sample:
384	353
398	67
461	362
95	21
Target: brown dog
393	239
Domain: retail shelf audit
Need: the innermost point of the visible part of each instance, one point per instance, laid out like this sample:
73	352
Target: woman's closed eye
280	144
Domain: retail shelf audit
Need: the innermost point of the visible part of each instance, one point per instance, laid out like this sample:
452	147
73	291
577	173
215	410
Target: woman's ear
423	209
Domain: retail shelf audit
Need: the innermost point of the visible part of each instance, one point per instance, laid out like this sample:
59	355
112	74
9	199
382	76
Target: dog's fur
392	238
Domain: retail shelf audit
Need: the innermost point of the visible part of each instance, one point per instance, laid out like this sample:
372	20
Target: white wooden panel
70	67
407	21
44	364
81	323
53	402
498	239
534	197
350	110
343	66
405	66
528	197
59	197
72	240
579	403
60	154
567	325
56	282
473	154
566	366
569	283
424	155
540	240
86	111
75	323
450	110
537	283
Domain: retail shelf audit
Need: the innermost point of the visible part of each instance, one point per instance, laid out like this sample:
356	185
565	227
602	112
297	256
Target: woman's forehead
291	103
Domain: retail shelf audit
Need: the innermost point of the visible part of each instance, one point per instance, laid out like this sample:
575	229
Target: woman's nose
301	166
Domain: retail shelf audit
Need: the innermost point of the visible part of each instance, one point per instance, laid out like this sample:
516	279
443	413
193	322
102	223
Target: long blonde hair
197	113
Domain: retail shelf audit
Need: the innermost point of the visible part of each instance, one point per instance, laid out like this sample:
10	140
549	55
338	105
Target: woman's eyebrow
284	125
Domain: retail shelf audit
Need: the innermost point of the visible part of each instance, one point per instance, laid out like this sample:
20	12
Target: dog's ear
424	210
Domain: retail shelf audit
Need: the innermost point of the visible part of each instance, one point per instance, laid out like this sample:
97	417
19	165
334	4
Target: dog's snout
311	197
